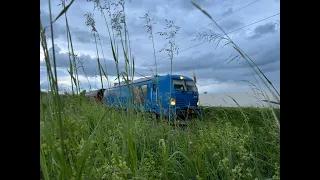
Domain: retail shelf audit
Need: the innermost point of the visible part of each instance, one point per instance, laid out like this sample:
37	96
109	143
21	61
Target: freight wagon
152	94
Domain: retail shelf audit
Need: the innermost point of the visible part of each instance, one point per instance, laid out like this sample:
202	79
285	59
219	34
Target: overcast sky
261	41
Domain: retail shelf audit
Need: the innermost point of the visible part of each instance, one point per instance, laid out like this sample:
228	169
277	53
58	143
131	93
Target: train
152	94
97	95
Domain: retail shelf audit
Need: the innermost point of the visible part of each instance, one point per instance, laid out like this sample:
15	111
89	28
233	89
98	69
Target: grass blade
86	151
63	11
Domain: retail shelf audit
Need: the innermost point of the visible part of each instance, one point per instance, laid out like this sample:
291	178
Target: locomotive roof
150	78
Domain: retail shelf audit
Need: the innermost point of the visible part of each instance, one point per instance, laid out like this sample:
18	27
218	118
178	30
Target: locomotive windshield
184	85
191	86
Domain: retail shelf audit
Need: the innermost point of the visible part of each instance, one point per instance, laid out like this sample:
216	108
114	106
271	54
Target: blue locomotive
152	94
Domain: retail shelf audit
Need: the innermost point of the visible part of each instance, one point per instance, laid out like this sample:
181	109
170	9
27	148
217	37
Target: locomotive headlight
198	103
173	102
181	77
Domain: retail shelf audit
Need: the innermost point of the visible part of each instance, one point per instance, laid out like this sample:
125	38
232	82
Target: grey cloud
210	65
77	34
207	64
215	60
185	63
266	28
43	72
270	56
188	6
61	87
263	29
222	75
268	62
274	77
272	67
230	10
81	35
230	75
181	4
230	24
90	64
43	4
136	26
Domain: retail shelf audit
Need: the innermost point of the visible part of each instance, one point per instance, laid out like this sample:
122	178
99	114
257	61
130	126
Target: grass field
101	143
81	139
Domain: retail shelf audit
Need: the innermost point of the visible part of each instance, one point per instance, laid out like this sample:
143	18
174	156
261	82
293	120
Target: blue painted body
143	94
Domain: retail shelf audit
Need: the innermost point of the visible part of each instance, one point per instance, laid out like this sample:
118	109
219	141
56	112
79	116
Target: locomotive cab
185	97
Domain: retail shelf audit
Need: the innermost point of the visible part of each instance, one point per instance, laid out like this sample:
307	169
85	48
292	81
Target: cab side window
154	87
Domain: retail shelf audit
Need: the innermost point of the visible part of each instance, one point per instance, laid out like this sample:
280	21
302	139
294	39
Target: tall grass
229	143
252	65
73	64
81	139
149	25
171	47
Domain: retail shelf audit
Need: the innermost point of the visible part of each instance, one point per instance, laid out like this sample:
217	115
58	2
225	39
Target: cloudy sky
261	41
